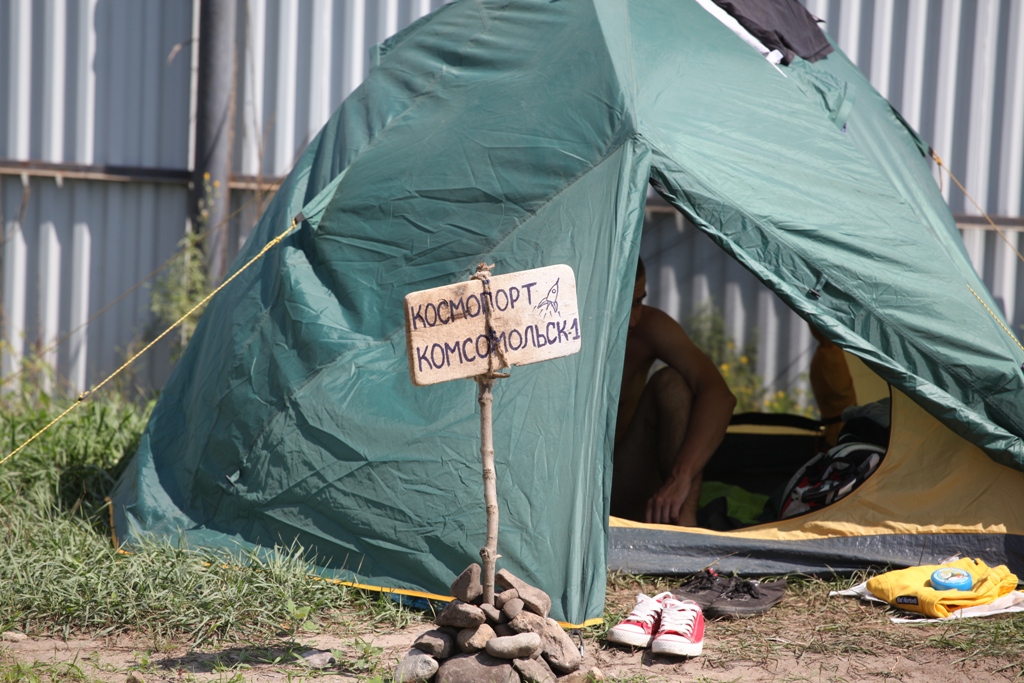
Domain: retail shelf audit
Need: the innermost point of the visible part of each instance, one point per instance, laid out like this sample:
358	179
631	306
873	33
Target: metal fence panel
91	82
102	83
73	254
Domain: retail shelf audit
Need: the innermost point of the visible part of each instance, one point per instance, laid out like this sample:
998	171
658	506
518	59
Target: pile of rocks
511	641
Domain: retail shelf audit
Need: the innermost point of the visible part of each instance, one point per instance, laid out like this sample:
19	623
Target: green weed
72	466
366	661
186	281
297	617
739	368
43	672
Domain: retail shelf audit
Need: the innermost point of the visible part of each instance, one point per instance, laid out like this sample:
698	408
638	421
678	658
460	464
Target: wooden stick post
489	553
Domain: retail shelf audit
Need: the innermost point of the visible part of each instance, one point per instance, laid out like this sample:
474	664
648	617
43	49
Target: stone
536	600
504	596
318	659
415	667
559	650
534	670
494	615
478	668
466	586
512	608
460	615
13	636
591	675
436	643
527	621
474	639
135	677
519	646
556	645
503	630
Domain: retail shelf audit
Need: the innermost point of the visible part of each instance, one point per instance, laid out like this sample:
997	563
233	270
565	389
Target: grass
60	576
63	578
39	672
73	465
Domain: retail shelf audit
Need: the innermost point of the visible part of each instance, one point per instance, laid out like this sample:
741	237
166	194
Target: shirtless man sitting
667	428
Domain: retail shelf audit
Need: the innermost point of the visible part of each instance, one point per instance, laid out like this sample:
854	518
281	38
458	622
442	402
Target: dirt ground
809	637
115	659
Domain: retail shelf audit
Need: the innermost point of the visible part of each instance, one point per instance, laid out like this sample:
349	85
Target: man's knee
669	384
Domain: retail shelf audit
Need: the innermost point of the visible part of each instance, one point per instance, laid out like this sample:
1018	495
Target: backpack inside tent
524	133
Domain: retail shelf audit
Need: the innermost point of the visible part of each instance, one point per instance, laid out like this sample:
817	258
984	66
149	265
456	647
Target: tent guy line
85	394
938	161
94	317
947	169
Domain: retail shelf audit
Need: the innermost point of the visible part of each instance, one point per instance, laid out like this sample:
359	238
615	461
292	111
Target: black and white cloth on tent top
783	25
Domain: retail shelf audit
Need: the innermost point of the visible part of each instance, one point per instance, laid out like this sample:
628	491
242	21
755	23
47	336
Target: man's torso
635	367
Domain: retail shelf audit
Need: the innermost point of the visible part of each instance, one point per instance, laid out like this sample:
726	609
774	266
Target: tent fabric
523	133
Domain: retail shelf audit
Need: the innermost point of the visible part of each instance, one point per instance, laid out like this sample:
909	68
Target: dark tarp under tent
524	133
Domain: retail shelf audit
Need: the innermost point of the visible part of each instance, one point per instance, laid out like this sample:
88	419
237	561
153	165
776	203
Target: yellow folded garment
911	589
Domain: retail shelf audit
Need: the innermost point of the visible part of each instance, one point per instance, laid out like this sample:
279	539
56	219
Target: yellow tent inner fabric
868	386
931	481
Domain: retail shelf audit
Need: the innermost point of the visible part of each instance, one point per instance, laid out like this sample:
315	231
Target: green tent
524	133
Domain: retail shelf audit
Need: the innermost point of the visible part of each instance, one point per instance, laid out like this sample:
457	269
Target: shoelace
742	589
700	582
646	610
679	617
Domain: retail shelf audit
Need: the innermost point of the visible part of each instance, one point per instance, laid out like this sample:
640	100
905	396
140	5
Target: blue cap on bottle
951	579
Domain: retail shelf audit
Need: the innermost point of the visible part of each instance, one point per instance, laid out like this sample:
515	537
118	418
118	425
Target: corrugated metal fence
95	139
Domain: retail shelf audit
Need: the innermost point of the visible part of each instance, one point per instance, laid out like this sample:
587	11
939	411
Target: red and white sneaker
681	630
638	628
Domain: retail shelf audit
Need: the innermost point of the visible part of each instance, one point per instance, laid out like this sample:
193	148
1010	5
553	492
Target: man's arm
713	404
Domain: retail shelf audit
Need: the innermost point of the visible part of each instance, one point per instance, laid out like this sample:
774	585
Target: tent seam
417	99
400	330
288	399
908	341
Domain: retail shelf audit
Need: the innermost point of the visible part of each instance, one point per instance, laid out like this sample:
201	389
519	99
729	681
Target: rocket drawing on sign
549	304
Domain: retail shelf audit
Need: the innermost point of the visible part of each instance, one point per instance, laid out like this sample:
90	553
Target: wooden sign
532	314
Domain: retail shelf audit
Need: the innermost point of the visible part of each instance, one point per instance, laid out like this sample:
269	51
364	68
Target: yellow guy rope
85	394
57	344
938	160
